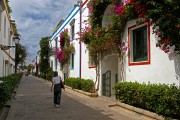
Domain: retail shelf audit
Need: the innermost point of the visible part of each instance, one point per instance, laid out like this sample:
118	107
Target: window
91	62
72	23
116	78
9	37
139	44
5	26
55	63
72	32
72	61
51	64
0	19
56	43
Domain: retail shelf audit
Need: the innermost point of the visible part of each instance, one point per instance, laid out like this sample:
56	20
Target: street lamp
80	27
16	40
20	56
6	47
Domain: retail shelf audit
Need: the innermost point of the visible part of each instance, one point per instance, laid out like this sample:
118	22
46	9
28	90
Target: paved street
34	101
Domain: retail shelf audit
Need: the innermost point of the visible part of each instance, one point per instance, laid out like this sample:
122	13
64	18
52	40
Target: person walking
57	84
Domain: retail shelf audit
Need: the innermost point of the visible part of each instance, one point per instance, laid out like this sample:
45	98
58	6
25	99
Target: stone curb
82	92
140	111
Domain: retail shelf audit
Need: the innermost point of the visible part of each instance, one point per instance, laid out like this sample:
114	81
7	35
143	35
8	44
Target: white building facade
75	68
151	65
155	66
7	57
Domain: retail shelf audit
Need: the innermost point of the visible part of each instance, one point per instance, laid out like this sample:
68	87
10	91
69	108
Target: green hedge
81	84
7	86
159	98
87	85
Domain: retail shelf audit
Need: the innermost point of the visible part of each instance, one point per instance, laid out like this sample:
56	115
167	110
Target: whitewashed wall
63	26
163	67
8	68
86	72
109	62
2	58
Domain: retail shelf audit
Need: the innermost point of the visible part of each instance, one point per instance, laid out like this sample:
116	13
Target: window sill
92	66
139	63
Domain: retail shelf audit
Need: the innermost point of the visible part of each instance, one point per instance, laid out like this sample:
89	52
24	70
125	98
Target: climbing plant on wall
65	49
163	15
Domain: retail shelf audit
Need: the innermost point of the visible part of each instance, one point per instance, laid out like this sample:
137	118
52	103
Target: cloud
36	19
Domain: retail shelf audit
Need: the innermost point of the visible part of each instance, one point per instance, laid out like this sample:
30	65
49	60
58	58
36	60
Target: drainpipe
80	44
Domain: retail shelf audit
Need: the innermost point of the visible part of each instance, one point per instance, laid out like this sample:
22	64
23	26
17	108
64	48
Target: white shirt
56	80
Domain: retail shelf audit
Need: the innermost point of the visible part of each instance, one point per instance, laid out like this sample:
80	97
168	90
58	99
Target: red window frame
133	27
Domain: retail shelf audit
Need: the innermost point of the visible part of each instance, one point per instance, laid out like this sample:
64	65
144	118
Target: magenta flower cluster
62	38
123	46
86	30
59	54
118	8
60	51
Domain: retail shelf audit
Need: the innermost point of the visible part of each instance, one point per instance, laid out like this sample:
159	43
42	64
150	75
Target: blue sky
36	19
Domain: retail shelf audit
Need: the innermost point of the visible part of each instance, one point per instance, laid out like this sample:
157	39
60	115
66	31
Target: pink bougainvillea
88	29
63	37
141	10
60	51
164	45
63	52
85	35
123	46
119	8
90	9
59	54
108	12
